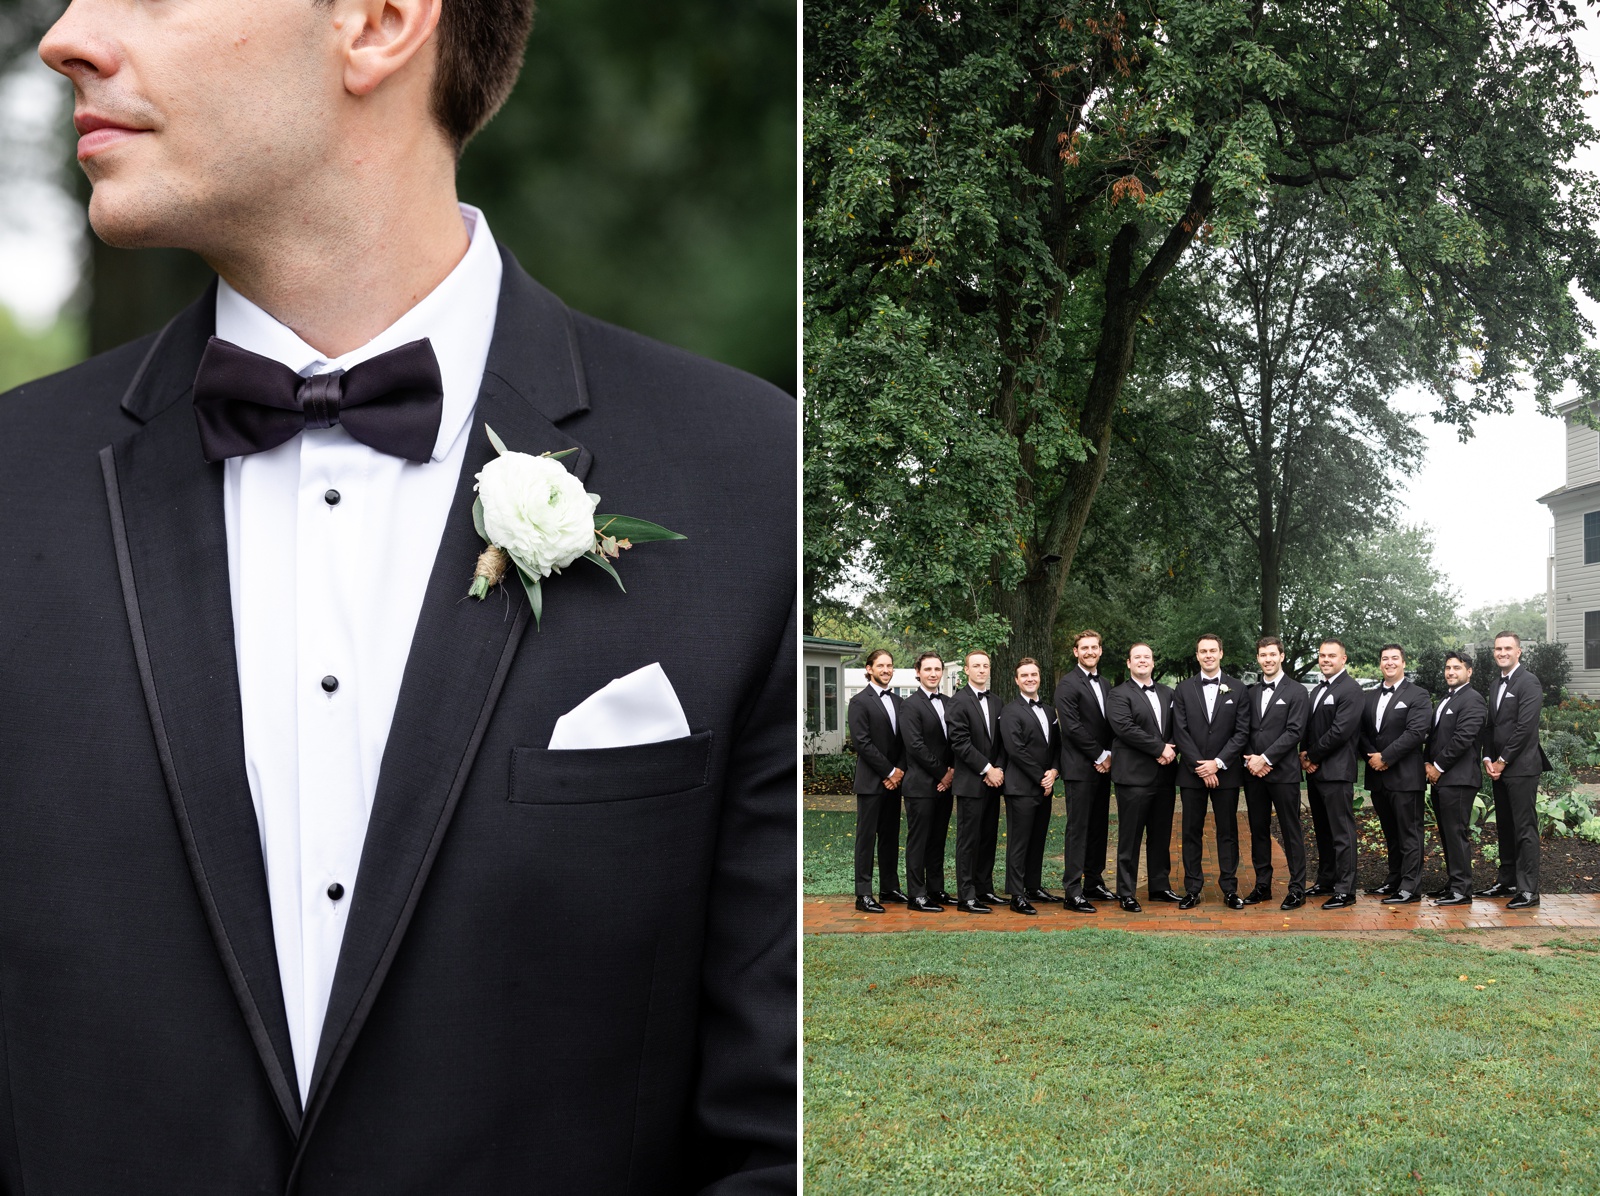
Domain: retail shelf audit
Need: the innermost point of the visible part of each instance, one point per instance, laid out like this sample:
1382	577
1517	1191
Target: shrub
1574	716
1430	671
1568	752
833	765
1549	663
1561	809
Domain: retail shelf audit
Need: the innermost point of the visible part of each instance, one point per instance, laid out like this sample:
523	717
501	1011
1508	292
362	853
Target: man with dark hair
980	757
1144	765
1395	721
1453	770
1032	741
930	771
1278	711
322	833
1211	726
1080	704
874	721
1328	756
1514	757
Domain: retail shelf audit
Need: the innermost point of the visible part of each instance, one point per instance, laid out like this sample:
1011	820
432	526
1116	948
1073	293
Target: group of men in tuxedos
1208	739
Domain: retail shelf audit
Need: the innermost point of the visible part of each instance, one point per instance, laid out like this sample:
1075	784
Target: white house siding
1577	586
1583	454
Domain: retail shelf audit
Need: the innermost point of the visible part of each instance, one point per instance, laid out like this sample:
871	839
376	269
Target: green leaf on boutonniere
530	587
558	456
477	519
638	531
607	566
499	445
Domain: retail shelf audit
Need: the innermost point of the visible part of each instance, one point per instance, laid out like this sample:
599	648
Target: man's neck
1508	672
340	271
930	692
1032	697
1141	680
1087	668
1212	675
1271	678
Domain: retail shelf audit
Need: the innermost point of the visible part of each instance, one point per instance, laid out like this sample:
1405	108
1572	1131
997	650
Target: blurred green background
643	169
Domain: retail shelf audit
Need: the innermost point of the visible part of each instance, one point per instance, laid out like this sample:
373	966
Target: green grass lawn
830	838
1102	1062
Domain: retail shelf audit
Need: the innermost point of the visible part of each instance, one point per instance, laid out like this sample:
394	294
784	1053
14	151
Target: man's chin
131	221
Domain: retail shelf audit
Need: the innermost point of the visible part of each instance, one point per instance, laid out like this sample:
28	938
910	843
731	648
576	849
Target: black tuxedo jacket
973	741
1333	728
1513	730
1276	733
1085	733
1223	736
876	740
1455	737
495	1025
928	755
1029	752
1139	738
1402	737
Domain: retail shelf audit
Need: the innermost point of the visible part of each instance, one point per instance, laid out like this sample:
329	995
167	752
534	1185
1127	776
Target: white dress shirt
888	704
1155	705
934	700
1044	719
330	585
1385	696
1211	693
1099	696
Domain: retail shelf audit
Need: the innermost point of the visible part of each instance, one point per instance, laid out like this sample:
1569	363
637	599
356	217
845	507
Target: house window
813	699
1591	538
830	696
1591	639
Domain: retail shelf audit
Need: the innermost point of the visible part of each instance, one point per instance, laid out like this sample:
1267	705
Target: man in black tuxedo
930	771
1211	726
874	722
1031	736
1514	757
369	955
1454	740
980	758
1328	756
1395	720
1144	765
1080	704
1278	712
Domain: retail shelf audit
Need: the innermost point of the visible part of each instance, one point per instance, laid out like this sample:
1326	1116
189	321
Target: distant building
823	661
1572	575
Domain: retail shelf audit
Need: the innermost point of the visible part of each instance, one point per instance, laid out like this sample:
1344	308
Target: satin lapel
167	524
460	654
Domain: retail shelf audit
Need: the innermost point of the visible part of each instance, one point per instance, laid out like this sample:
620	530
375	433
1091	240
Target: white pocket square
639	708
1280	702
1399	705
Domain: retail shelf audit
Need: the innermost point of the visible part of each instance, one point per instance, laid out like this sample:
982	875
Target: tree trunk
135	291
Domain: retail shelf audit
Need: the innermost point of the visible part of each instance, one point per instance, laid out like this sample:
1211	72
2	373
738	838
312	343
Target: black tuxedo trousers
495	1024
1144	813
1400	815
877	834
1224	805
1088	833
1452	811
927	836
1261	798
1333	817
977	838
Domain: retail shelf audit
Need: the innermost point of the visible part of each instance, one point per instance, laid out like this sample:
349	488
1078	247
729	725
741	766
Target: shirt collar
1332	679
457	317
1514	668
1216	676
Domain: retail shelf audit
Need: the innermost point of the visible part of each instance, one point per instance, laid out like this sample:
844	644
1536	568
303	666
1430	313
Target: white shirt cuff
1221	767
1102	757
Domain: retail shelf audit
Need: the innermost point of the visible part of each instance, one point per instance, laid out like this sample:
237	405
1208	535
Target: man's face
1141	663
197	114
1330	659
1209	654
929	672
978	670
1456	674
1028	679
1270	659
1392	665
882	670
1507	652
1087	650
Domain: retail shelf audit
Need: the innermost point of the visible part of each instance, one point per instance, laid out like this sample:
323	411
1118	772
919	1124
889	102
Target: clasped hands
1206	770
1307	765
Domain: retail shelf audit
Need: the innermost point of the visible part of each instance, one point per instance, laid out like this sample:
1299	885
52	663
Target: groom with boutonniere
329	721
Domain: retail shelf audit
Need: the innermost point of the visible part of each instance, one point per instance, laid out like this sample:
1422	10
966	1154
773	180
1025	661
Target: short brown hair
1025	660
1209	636
1087	633
967	659
1270	641
1333	639
877	652
479	49
1508	635
1140	644
929	656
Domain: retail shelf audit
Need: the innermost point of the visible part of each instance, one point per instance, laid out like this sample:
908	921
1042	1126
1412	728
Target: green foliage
1526	618
832	766
985	1062
25	355
1550	664
1577	715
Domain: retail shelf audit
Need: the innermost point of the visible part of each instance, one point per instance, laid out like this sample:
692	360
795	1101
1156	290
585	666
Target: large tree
995	194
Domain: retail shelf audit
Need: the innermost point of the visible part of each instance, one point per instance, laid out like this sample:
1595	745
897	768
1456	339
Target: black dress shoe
973	907
1403	897
868	906
1495	890
1042	895
1130	905
1523	901
1455	899
1257	896
921	905
1383	890
991	898
1019	905
1233	901
941	898
897	896
1077	905
1168	896
1293	901
1338	901
1099	893
1444	892
1319	890
1190	900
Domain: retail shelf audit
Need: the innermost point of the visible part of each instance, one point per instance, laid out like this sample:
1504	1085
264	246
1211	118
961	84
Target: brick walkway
838	915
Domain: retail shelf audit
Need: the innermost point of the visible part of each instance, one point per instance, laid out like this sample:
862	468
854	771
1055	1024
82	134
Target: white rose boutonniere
537	517
1225	689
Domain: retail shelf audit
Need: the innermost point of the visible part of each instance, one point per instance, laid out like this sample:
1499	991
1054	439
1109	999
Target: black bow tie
1031	701
1269	686
1388	689
1205	681
246	403
1092	676
1149	689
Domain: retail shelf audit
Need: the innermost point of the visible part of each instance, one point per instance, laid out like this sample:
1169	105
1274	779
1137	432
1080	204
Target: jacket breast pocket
542	777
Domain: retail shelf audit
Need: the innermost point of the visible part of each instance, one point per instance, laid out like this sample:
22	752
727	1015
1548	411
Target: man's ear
380	37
